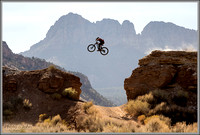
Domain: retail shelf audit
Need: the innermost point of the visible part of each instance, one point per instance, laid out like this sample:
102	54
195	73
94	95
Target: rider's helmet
97	38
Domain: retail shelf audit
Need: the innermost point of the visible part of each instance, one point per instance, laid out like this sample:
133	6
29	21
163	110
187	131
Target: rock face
163	70
49	80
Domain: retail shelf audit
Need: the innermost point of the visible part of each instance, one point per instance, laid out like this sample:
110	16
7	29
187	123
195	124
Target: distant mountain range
19	62
66	42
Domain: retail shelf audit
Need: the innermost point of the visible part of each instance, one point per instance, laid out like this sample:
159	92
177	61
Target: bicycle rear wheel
91	48
104	51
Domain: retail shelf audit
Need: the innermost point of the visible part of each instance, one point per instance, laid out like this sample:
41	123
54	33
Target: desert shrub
42	117
182	127
94	122
70	93
52	124
117	126
92	111
155	124
159	109
91	123
48	120
141	119
161	95
51	68
87	105
180	98
165	120
137	107
147	98
149	118
56	96
27	104
56	119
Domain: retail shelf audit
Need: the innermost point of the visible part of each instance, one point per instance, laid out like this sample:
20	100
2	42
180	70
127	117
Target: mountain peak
7	51
129	26
72	15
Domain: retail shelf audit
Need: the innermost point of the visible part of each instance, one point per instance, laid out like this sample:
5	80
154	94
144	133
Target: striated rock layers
163	70
49	80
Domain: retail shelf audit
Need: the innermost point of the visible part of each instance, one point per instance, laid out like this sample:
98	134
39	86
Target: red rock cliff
49	80
163	69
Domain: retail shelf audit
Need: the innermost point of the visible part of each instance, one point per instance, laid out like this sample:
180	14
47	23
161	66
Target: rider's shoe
99	50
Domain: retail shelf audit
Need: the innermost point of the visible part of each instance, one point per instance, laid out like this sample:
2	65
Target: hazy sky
26	23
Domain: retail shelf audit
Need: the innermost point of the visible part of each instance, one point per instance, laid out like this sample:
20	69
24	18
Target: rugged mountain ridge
69	37
19	62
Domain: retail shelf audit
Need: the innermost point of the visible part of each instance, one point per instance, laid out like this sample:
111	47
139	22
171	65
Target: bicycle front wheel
91	48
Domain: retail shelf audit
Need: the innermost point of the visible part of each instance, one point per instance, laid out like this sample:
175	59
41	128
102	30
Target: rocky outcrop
49	80
163	70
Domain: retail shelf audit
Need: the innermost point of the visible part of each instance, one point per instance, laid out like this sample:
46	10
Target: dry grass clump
137	107
51	68
149	98
87	105
70	93
155	124
118	126
91	121
164	119
141	119
182	127
158	109
27	104
52	124
42	117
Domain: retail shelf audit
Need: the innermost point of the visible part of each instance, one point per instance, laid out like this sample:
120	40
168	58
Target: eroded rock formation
49	80
162	70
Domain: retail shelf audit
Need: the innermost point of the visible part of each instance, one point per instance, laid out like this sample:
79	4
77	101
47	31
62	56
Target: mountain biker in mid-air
101	42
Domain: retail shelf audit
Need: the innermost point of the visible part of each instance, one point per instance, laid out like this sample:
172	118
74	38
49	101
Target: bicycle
92	48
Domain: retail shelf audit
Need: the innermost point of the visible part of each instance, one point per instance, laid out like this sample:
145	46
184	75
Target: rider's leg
99	47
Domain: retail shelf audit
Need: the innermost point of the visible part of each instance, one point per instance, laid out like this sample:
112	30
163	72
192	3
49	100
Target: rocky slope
19	62
27	94
173	74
